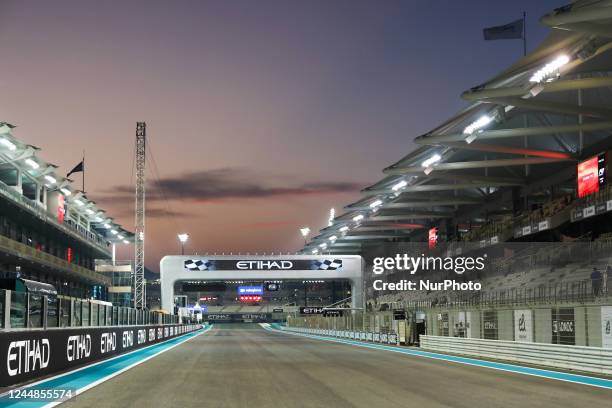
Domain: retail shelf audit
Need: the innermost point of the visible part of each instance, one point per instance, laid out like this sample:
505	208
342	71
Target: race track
241	365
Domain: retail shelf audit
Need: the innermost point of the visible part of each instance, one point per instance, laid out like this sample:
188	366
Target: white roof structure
83	218
523	129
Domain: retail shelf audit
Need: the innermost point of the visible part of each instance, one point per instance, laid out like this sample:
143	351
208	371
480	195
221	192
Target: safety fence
581	291
386	338
588	359
29	354
22	310
353	321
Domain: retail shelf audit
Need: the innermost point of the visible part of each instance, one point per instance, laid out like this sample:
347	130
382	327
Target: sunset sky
261	115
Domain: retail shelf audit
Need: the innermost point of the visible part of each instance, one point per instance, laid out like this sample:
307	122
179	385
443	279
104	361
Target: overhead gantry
177	268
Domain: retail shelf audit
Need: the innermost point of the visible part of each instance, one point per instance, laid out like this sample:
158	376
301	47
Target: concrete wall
587	323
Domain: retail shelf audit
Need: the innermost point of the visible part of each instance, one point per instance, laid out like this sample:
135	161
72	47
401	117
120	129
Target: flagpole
524	33
83	172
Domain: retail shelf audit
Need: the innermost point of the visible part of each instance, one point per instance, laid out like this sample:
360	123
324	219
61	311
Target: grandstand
504	169
50	232
525	162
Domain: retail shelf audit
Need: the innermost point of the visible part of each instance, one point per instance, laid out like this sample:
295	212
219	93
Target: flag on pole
510	31
77	169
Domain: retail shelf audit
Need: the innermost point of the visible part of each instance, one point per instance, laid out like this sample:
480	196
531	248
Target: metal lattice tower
139	288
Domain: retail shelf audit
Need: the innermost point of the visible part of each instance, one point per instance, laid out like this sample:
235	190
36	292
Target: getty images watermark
412	264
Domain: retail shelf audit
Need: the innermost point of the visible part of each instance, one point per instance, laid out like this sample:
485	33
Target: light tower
139	286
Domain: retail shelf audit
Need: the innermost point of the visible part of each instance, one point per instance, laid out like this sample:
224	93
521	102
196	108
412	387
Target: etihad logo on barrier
78	347
108	342
25	356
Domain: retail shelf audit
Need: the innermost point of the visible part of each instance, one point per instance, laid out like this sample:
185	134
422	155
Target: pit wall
30	354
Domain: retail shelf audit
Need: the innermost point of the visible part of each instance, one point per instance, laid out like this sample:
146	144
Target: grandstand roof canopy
524	129
24	157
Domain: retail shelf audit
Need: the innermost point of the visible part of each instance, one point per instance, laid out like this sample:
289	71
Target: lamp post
183	238
305	231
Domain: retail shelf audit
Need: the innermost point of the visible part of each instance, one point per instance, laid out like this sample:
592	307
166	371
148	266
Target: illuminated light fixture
323	245
107	225
471	138
125	241
376	203
343	229
550	68
9	145
358	218
66	192
32	163
79	202
90	211
120	236
98	219
314	251
432	160
183	237
399	185
50	179
332	215
333	238
305	231
114	232
476	125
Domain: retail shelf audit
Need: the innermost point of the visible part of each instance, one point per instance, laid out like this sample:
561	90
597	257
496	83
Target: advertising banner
304	310
563	326
592	174
460	325
489	324
203	264
443	324
523	326
250	290
237	317
606	329
332	313
30	354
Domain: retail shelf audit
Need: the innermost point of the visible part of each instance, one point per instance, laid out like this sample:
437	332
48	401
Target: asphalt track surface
242	365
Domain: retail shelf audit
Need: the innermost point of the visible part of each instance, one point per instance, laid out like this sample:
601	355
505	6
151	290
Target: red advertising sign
591	175
61	210
433	237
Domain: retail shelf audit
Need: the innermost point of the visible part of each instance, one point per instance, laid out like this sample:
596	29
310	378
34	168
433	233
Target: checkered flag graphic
328	265
197	265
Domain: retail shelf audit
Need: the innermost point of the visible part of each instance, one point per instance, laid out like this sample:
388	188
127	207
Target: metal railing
21	310
67	227
375	337
582	291
25	251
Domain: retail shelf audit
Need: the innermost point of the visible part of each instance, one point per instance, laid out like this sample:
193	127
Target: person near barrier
604	280
596	281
